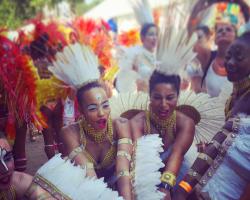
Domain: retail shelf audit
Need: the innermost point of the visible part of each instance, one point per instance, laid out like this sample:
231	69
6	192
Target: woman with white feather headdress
137	63
98	145
175	125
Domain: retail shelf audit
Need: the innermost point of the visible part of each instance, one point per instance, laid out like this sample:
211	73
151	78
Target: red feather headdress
96	35
18	79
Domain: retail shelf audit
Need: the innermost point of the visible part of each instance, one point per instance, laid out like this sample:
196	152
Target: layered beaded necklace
98	136
240	89
9	194
163	126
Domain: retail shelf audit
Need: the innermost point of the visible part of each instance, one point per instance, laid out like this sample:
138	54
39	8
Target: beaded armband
125	141
87	166
168	177
75	152
123	173
124	154
207	163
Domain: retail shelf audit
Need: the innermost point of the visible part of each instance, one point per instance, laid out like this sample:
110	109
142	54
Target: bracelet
124	154
87	166
168	177
123	173
125	141
185	185
75	152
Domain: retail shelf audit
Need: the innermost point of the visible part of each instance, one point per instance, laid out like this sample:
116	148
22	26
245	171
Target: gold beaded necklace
9	194
98	136
110	155
240	90
162	126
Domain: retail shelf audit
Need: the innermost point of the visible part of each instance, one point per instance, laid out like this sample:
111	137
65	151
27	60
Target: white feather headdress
142	11
175	49
76	66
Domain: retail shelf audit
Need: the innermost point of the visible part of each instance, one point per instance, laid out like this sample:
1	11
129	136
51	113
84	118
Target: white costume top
215	82
145	61
233	175
128	58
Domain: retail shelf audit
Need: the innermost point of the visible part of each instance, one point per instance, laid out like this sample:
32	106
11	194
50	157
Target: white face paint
3	153
98	97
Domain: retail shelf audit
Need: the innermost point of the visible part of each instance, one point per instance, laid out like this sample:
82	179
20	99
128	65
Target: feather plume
147	164
175	49
58	172
18	78
96	35
209	116
76	65
142	11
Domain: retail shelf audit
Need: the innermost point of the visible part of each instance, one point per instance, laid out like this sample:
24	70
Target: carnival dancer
175	124
101	143
18	85
175	128
51	92
222	171
139	61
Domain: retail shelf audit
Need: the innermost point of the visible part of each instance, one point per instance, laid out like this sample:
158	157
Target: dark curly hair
82	90
158	77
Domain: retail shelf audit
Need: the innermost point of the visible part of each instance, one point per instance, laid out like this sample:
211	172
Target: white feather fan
72	181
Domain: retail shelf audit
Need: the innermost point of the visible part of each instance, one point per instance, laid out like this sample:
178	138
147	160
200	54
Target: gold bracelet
125	141
75	152
87	166
124	154
123	173
168	177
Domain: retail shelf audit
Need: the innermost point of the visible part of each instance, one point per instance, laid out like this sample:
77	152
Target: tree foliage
14	12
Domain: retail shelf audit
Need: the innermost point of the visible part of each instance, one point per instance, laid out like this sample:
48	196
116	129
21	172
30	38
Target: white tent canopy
117	8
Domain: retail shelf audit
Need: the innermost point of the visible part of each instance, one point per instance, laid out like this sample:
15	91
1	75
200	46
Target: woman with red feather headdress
48	39
17	97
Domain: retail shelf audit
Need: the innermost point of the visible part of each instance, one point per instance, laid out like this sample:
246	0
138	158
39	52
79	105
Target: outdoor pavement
35	154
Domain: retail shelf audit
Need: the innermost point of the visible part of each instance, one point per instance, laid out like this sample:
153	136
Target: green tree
14	12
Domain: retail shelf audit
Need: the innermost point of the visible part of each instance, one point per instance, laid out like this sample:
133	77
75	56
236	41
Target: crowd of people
63	81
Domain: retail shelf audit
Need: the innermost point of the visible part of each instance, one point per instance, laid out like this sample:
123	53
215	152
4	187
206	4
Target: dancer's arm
21	182
184	139
124	153
71	140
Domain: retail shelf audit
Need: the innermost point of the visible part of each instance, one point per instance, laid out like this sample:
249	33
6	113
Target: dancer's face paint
6	164
96	108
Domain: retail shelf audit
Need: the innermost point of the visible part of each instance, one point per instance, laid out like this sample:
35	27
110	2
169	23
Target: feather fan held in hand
77	65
